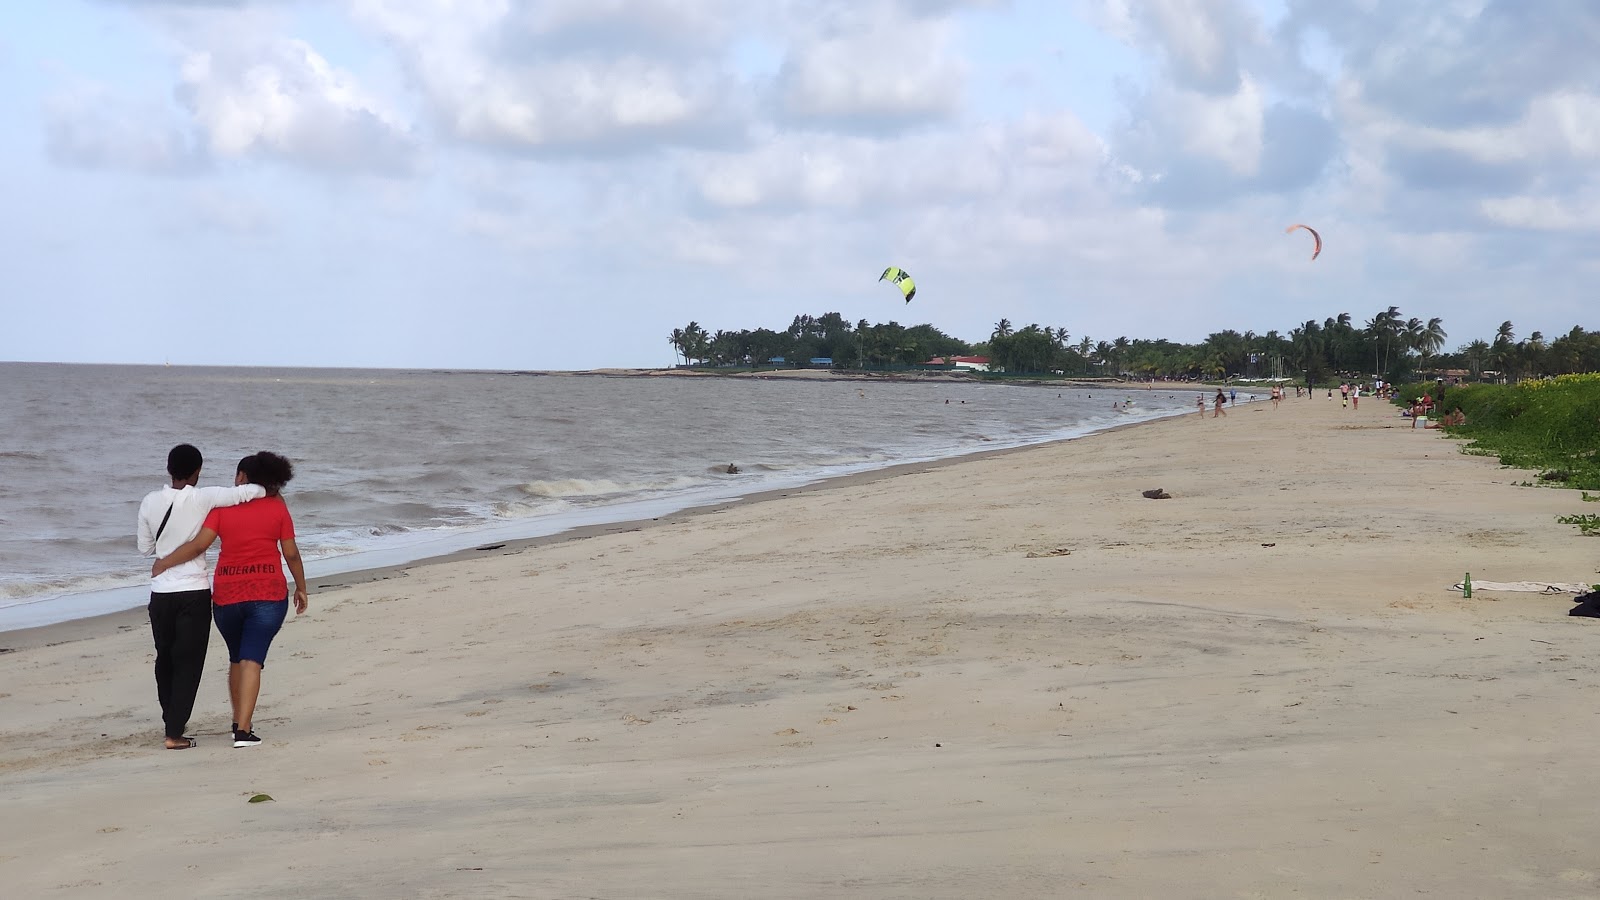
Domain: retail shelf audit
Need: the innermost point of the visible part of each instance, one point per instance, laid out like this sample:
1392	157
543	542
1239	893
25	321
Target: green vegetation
1550	426
830	336
1389	346
1589	524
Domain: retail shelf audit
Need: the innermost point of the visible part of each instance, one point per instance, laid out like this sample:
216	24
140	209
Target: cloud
281	100
1544	213
566	78
196	4
1045	155
90	127
1459	63
616	27
571	106
1201	42
884	75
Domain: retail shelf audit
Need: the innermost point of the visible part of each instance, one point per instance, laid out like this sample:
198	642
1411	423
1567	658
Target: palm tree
678	345
1433	335
1503	352
1002	329
1533	354
1426	339
1385	327
1477	353
694	342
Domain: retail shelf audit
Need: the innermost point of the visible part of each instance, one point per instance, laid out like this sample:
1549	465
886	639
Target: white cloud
1227	129
584	106
90	127
885	73
1041	154
283	100
1201	41
1544	213
1560	126
578	91
651	26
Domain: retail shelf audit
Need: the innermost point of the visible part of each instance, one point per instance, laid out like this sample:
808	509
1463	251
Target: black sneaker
245	739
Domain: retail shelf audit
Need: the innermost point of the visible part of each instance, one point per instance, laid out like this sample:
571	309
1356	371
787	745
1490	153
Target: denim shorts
249	627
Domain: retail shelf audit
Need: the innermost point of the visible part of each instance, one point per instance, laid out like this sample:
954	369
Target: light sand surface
1009	677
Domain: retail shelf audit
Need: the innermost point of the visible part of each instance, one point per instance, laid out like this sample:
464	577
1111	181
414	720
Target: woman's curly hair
267	469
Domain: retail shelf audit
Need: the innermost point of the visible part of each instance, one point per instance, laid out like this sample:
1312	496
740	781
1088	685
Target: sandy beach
1011	676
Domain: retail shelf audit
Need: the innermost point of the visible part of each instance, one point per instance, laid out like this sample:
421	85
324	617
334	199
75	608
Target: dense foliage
1551	426
829	336
1389	346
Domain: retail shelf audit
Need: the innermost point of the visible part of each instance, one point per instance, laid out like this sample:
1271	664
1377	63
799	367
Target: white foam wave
21	592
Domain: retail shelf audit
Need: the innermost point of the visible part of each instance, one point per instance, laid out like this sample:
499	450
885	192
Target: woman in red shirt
249	594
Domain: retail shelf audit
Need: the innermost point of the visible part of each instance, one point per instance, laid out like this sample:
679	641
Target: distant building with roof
969	363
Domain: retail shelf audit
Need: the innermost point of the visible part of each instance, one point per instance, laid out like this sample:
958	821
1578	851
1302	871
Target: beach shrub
1551	426
1588	524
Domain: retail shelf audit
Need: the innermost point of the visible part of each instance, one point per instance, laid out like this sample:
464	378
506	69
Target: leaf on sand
261	798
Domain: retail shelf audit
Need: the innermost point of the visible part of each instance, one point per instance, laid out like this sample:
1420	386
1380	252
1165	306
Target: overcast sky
559	183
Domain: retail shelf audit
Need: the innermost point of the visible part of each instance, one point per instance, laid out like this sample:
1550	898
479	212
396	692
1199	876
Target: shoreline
1011	675
89	627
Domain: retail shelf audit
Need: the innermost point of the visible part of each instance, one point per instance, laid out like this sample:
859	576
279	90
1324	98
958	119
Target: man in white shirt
180	598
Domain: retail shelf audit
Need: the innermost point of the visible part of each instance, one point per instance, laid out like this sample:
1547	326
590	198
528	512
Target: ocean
394	466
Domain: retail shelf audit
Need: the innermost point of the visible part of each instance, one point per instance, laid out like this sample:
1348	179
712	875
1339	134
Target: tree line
1389	345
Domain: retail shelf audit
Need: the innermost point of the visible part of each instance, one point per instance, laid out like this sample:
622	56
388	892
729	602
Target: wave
602	488
33	590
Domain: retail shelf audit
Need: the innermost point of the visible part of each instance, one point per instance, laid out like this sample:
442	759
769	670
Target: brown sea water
396	465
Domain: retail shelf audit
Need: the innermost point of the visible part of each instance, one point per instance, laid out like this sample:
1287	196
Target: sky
557	184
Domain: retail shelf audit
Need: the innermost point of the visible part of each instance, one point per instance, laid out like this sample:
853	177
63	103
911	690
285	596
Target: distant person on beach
1200	404
1217	403
1233	397
180	599
249	593
1355	397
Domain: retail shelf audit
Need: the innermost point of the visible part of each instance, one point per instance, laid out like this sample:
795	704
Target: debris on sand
1157	494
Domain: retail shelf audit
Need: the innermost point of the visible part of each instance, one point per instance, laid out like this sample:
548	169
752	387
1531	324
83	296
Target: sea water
394	466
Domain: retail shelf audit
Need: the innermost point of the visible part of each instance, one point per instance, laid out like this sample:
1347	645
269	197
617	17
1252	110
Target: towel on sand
1527	587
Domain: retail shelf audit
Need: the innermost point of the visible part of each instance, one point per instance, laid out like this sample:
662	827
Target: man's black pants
180	622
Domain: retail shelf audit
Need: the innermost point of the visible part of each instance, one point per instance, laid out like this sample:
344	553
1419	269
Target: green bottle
1466	587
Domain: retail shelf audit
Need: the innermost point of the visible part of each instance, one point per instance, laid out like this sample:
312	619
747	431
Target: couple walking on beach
248	600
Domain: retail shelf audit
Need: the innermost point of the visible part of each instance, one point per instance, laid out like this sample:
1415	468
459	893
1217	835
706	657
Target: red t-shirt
250	566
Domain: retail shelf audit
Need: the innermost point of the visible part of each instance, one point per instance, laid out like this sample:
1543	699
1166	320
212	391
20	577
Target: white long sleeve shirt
190	507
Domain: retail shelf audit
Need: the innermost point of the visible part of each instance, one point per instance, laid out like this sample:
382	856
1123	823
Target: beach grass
1549	426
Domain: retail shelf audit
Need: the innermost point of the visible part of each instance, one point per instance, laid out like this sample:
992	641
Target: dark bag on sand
1588	605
